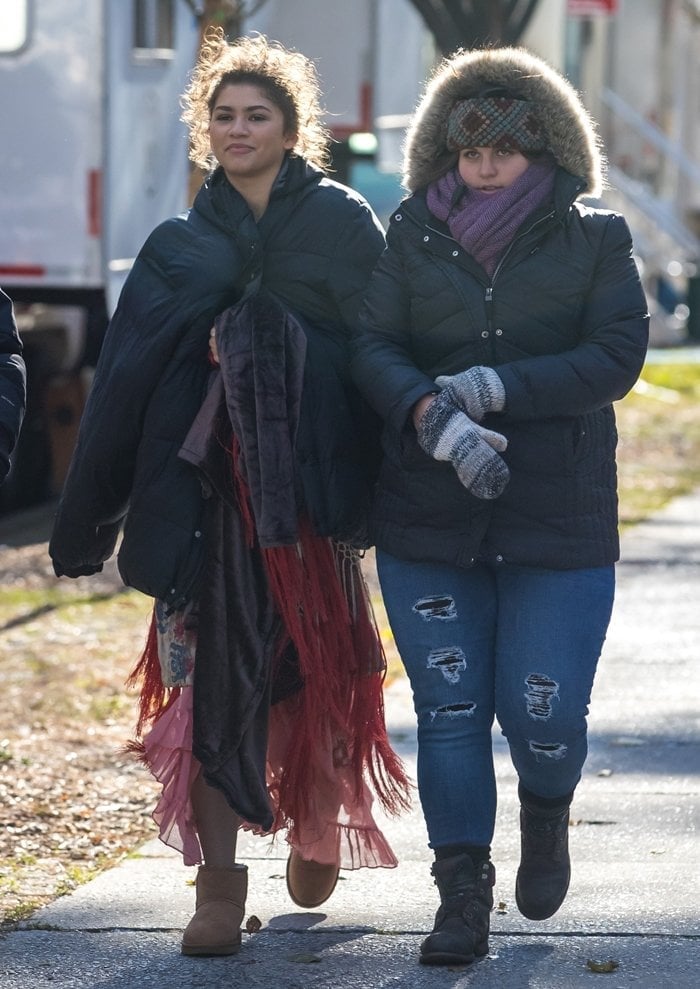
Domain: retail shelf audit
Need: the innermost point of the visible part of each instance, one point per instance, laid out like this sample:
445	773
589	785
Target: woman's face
247	134
491	169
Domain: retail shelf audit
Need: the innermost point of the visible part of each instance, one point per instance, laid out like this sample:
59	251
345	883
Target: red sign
585	8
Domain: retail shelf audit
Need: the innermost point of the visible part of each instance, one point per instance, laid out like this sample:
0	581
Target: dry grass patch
659	450
71	803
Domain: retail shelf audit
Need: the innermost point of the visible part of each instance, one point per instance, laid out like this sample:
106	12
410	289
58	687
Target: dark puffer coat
562	320
13	384
314	248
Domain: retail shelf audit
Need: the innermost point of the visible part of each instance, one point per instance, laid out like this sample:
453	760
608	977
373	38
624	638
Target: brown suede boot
215	928
310	883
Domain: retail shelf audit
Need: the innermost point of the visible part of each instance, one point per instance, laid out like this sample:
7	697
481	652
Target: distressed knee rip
541	691
548	750
450	661
463	710
436	607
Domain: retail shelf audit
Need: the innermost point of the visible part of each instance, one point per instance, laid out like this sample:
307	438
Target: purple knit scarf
485	223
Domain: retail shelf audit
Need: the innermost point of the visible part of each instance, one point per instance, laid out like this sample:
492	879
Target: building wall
546	32
340	38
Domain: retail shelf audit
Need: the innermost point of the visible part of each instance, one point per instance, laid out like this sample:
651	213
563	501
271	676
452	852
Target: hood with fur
571	134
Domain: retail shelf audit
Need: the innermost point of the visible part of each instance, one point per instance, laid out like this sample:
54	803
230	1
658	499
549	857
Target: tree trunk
227	14
475	23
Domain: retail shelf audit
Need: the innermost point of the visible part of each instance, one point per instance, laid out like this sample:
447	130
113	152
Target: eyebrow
247	109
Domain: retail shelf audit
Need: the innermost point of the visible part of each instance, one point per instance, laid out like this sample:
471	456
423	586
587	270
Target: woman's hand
447	433
420	407
213	352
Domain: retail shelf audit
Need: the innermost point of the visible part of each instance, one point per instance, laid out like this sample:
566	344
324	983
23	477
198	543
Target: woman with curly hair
223	432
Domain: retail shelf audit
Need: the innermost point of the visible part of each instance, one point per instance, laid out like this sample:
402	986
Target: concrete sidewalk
636	856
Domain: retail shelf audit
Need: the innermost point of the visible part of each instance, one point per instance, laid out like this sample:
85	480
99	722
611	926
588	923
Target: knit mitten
476	391
446	433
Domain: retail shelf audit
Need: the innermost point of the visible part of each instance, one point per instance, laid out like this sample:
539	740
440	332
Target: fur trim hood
571	133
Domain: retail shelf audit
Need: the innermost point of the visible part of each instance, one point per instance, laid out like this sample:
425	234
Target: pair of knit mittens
450	430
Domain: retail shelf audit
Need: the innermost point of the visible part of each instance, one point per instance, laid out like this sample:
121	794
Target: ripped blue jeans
520	644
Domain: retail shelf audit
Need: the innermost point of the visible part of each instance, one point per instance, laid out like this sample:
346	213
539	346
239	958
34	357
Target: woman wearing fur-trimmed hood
501	323
570	134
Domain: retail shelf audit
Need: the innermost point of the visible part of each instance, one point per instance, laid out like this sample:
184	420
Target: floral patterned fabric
177	641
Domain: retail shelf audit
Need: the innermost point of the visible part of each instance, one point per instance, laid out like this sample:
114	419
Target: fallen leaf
305	958
608	966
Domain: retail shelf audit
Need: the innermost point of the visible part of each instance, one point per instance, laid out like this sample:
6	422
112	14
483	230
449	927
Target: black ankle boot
461	930
545	869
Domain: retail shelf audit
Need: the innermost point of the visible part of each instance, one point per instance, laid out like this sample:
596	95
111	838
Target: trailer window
154	25
13	25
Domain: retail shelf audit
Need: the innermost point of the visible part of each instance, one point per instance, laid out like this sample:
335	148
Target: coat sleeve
147	327
610	354
359	244
382	366
13	384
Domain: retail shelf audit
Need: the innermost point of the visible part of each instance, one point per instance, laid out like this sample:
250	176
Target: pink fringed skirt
338	825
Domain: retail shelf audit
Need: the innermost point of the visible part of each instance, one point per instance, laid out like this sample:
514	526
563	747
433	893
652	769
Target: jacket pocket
161	559
594	438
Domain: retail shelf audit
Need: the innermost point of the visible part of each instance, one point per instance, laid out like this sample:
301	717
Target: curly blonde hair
288	79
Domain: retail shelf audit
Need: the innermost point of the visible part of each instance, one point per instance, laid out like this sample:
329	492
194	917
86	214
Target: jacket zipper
488	297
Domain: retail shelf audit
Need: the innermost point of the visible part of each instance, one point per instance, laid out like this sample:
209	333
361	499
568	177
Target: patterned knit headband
494	122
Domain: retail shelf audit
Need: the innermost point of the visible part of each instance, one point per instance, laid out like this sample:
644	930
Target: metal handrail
655	211
652	133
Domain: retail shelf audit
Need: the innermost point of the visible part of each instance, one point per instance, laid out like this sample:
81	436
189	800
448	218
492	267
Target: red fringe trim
155	698
342	662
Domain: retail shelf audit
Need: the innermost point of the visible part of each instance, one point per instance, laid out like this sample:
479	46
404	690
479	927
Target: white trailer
92	156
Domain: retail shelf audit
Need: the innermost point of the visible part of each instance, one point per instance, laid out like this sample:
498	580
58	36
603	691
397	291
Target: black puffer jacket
563	321
13	384
314	248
